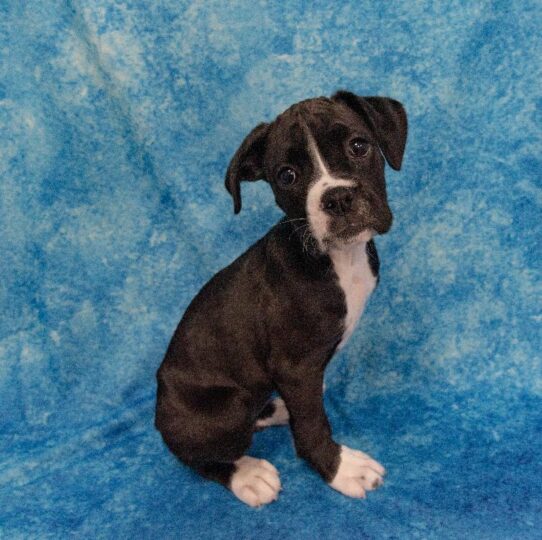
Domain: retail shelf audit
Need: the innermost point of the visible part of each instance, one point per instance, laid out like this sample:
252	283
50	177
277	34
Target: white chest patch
351	264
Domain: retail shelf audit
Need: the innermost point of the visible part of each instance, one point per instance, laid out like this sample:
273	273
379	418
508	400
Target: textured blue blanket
117	121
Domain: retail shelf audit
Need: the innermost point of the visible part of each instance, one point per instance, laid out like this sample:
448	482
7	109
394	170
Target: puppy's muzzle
354	210
338	201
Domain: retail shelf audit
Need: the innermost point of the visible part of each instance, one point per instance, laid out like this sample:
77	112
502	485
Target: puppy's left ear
247	163
386	117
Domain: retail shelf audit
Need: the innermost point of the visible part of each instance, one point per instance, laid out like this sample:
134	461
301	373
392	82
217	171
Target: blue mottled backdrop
117	121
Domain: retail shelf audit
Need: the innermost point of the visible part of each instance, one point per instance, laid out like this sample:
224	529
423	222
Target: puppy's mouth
350	230
351	233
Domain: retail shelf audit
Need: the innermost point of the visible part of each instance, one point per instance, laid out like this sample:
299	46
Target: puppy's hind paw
255	481
357	473
275	413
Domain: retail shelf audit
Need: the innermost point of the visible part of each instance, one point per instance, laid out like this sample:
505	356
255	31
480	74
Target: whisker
306	239
294	219
297	229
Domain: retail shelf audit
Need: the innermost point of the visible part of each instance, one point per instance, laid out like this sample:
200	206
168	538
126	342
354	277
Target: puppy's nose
338	201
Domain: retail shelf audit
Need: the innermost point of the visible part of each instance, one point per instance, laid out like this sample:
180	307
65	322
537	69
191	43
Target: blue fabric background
117	121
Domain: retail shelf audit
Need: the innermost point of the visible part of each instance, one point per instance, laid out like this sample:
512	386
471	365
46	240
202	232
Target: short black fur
243	337
272	320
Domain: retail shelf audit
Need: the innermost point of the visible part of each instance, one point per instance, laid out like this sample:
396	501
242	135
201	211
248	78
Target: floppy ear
247	163
386	117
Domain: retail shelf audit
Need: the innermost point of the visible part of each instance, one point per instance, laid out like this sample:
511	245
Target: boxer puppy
273	319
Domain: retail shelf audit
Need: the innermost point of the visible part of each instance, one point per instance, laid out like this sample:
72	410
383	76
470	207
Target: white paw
255	481
279	417
357	473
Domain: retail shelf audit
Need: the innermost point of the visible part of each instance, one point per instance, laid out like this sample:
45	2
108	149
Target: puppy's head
324	159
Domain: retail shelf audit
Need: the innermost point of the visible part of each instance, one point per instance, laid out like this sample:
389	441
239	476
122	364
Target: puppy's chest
356	281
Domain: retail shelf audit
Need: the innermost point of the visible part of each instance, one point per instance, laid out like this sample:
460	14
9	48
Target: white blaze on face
349	259
317	217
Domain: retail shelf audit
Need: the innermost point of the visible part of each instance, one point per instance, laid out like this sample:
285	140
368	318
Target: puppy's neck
301	239
348	255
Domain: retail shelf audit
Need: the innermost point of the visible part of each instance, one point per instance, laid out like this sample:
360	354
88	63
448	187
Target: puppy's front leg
349	471
309	423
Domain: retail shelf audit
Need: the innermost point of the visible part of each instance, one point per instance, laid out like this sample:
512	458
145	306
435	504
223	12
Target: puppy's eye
286	176
359	147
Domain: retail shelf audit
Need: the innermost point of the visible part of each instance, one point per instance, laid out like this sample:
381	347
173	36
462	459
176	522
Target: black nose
338	201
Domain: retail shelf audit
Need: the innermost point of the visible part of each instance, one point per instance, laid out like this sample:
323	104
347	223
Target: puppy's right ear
386	117
247	163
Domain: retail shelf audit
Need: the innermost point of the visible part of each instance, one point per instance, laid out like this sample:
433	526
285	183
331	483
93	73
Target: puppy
272	320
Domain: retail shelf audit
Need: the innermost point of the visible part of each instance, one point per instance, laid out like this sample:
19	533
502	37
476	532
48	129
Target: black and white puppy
272	320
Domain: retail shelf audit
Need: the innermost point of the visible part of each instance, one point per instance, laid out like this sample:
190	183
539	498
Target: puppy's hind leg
210	429
253	481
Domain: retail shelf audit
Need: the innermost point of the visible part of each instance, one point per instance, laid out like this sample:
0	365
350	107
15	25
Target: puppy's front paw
255	481
357	473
